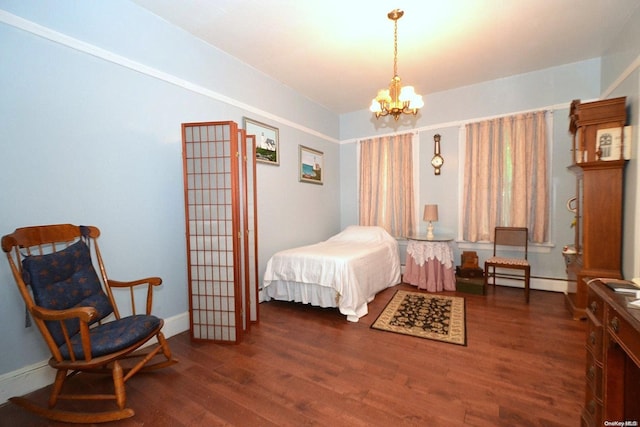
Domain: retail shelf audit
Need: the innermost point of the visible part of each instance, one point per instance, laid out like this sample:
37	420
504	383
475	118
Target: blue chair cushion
66	279
114	336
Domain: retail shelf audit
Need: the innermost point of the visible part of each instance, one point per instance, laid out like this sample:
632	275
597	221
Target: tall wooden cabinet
221	230
599	192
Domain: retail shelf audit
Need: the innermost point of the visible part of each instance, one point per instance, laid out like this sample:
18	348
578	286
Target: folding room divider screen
221	229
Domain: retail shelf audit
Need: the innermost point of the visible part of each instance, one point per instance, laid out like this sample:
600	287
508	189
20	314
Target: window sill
542	248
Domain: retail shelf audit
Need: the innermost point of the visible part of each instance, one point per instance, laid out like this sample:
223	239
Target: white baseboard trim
33	377
541	284
25	380
176	324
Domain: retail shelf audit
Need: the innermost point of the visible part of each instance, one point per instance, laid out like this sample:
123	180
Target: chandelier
397	99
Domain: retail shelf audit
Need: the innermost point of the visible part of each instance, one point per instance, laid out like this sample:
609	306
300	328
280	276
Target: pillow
361	233
66	279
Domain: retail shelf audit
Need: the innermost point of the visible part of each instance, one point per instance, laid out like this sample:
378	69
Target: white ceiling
340	52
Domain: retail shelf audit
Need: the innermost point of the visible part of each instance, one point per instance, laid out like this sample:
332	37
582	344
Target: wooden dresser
613	359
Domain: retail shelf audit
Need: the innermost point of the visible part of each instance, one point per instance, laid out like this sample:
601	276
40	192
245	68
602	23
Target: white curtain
386	184
505	181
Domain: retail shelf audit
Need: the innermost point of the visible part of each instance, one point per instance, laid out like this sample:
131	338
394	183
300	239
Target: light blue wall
445	112
90	134
621	77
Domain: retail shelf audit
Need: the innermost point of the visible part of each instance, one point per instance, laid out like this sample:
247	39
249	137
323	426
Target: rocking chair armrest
150	283
153	281
84	314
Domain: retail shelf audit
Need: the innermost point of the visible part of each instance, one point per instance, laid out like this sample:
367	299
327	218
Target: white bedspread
356	263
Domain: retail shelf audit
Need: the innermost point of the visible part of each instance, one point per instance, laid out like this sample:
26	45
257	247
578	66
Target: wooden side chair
76	313
518	239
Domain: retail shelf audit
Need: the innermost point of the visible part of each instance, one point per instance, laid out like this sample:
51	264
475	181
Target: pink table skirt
432	275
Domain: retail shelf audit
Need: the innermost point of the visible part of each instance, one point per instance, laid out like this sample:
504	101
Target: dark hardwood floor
302	366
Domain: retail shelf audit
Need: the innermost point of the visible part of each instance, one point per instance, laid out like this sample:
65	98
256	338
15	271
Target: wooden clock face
437	162
437	159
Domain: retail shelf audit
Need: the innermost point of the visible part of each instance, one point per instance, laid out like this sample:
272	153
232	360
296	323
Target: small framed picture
311	165
612	145
267	149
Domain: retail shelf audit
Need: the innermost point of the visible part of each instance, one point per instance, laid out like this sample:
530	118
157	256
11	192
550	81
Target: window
386	184
505	182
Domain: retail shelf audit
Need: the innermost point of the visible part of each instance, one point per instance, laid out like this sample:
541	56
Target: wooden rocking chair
79	321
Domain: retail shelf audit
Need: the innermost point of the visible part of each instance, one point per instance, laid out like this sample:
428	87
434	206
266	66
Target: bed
345	271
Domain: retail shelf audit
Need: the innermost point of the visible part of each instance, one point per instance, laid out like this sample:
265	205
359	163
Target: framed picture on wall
267	148
311	165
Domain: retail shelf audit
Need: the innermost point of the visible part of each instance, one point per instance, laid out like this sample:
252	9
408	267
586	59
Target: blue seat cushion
66	279
114	336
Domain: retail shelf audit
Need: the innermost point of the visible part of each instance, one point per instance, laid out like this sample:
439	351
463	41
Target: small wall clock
437	159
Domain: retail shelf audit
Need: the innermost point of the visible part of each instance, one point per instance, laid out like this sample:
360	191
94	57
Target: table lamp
430	214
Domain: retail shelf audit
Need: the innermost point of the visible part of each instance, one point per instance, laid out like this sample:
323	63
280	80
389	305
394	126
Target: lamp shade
430	213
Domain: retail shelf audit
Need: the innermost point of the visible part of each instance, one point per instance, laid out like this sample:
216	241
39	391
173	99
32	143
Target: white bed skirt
320	296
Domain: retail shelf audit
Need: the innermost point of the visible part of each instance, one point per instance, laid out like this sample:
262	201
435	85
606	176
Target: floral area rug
425	315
